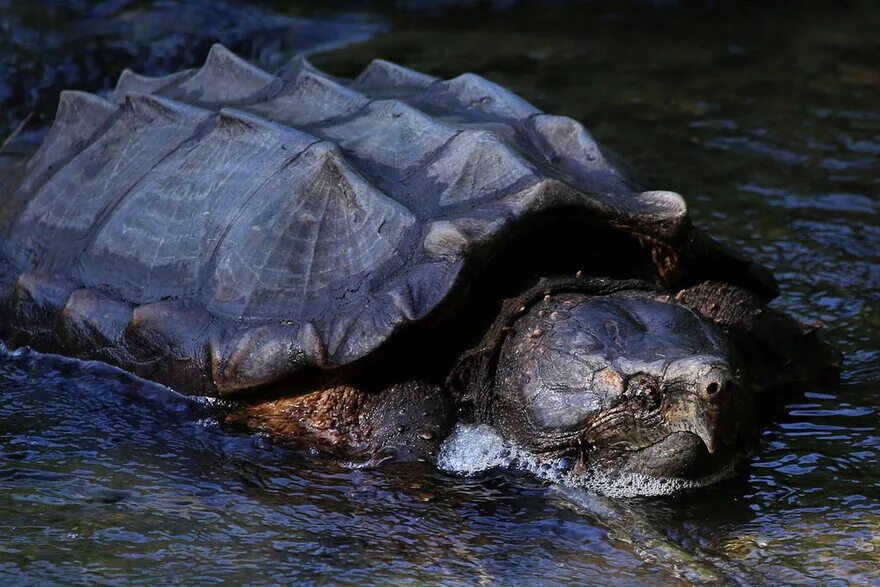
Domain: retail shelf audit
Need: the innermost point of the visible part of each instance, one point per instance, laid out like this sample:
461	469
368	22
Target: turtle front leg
409	421
406	422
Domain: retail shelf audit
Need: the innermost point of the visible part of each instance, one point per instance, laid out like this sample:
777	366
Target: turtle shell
223	228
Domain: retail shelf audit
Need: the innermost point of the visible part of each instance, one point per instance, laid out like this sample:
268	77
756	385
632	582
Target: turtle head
630	383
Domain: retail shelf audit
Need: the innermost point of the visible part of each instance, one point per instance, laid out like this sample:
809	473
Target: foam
474	448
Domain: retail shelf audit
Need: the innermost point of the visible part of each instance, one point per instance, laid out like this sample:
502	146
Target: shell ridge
234	121
295	66
432	208
131	81
566	146
318	128
477	97
93	122
310	99
388	139
489	203
149	106
475	154
224	79
382	74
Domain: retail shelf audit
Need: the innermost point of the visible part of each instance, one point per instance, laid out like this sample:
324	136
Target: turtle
360	264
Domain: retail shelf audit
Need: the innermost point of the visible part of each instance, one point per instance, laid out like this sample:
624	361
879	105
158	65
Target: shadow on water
765	115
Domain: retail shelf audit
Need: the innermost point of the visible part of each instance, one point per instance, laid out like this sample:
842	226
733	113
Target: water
768	121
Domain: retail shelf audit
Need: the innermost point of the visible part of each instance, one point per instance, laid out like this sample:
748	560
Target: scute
291	70
310	99
568	146
413	292
159	238
80	117
224	228
130	81
96	319
391	134
311	232
382	79
477	98
475	165
76	199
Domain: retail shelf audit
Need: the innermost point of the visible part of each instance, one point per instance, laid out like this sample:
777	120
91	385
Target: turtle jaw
686	427
680	456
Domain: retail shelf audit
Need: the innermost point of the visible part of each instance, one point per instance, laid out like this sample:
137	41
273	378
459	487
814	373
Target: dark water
766	116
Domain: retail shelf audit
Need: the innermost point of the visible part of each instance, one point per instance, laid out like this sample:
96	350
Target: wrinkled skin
633	381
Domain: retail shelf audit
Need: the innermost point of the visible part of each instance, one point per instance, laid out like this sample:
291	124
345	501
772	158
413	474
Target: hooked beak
697	408
705	426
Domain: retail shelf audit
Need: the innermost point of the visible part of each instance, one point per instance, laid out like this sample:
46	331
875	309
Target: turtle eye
649	397
644	388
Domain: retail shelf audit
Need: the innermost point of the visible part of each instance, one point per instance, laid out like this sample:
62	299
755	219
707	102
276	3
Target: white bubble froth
473	448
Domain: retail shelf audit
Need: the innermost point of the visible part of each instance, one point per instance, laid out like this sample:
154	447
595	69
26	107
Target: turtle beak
697	405
705	425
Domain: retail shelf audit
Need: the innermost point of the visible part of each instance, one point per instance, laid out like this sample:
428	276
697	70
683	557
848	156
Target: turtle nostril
713	388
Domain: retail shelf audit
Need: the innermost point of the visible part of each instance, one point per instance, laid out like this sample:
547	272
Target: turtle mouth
473	448
679	455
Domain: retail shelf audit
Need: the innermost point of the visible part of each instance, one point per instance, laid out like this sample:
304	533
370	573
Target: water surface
767	120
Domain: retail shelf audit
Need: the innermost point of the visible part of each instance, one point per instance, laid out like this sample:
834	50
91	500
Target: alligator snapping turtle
335	253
